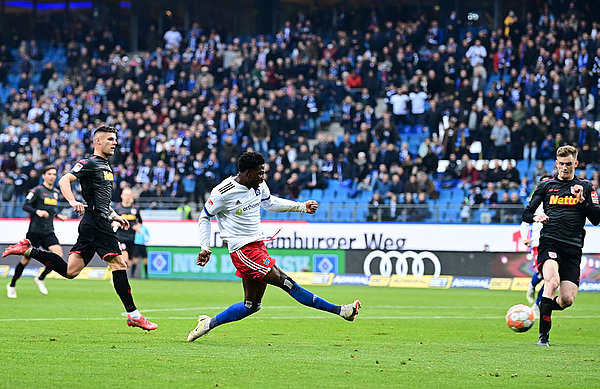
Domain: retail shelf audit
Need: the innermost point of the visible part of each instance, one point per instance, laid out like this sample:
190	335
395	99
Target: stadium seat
317	194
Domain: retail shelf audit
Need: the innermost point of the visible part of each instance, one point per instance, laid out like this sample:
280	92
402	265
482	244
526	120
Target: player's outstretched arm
65	188
277	204
204	227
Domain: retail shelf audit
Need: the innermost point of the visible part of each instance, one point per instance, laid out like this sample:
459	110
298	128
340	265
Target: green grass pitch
77	337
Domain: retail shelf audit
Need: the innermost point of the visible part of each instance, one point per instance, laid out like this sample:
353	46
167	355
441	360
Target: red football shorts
252	262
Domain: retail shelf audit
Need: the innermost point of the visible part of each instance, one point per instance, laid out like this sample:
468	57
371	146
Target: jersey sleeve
536	199
28	206
81	168
214	204
265	192
592	205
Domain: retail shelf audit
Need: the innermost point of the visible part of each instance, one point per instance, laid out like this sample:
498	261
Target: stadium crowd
187	106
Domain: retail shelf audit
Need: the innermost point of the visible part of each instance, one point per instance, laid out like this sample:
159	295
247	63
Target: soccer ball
520	318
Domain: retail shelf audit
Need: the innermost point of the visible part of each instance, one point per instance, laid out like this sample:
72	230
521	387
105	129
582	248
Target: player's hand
123	223
527	242
203	258
78	207
541	218
578	192
61	217
311	206
42	213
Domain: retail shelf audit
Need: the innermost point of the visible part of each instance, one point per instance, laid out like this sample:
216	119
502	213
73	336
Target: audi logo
401	268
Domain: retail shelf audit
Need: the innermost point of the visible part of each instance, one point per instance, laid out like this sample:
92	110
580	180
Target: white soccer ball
520	318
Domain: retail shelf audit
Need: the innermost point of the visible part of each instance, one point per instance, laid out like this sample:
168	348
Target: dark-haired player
42	204
236	204
567	202
95	231
130	211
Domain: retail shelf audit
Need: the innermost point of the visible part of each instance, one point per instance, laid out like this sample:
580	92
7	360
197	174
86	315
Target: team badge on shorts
552	254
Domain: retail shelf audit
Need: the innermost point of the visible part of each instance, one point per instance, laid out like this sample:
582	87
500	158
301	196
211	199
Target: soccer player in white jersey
236	203
530	233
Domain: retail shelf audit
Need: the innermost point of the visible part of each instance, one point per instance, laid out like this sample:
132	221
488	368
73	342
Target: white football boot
11	291
41	285
530	293
201	329
350	311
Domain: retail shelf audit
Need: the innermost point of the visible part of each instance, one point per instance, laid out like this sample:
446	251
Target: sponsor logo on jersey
564	200
129	216
238	202
49	201
251	206
238	212
108	176
30	195
576	188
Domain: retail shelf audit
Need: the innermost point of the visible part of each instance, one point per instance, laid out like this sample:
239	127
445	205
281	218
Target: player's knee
252	306
287	284
567	301
72	274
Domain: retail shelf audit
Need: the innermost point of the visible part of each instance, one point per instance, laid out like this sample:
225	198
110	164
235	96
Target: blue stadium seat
317	194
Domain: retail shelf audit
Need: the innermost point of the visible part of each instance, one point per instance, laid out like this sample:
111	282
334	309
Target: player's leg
566	294
121	284
11	289
39	280
551	283
133	261
253	294
125	255
536	278
278	278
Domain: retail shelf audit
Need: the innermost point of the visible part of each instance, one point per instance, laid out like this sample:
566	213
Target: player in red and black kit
131	212
41	203
95	231
567	201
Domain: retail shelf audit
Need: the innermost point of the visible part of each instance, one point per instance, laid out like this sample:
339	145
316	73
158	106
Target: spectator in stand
500	136
510	208
173	39
375	208
475	199
315	178
385	131
511	179
489	195
469	176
